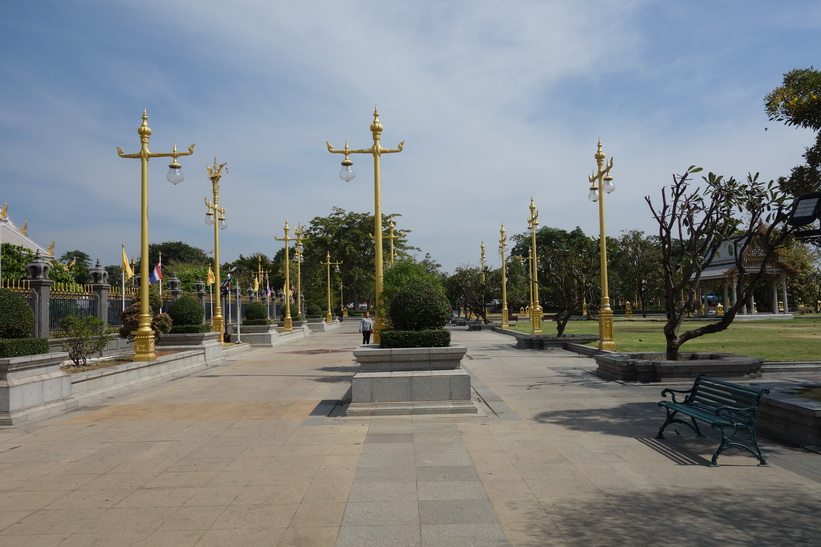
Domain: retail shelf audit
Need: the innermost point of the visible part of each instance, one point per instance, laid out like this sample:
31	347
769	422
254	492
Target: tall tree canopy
797	102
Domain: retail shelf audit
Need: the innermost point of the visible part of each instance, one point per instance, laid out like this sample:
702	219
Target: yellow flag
128	273
256	285
210	279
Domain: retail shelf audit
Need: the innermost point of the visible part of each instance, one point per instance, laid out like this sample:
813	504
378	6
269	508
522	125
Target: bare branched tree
693	225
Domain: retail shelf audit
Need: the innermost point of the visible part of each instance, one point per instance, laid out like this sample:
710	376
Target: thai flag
268	287
156	273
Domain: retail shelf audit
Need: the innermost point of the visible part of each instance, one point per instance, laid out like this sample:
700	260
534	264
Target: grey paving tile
462	511
478	534
427	473
379	536
381	513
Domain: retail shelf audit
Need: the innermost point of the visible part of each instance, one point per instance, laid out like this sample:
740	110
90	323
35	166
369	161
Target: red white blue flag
156	273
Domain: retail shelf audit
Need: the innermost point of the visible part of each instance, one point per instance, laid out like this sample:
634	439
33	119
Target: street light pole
288	322
391	237
601	180
347	174
298	251
328	263
502	245
215	216
536	309
144	335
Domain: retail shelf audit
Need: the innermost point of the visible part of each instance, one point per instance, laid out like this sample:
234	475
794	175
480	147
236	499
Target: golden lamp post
144	335
484	296
298	253
289	323
599	180
502	245
328	263
347	174
215	216
391	237
535	308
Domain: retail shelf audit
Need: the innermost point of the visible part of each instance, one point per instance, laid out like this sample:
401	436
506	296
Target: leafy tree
15	259
694	223
465	287
347	236
79	264
176	253
568	268
637	267
797	102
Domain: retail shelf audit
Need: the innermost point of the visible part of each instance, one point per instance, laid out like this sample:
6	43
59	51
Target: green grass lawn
776	340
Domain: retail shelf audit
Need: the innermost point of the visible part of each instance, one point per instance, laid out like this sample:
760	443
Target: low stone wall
650	367
35	387
784	415
545	341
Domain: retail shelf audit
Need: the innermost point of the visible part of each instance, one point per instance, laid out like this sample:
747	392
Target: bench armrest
737	415
673	392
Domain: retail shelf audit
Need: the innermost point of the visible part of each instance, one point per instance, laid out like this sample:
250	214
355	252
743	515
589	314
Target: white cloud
497	102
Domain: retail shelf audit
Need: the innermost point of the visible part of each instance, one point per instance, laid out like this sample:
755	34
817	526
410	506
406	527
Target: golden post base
536	320
144	345
606	341
505	318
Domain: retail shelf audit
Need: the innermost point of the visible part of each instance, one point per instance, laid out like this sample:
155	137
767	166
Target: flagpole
162	302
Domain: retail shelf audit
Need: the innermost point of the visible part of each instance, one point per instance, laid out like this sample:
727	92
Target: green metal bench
728	407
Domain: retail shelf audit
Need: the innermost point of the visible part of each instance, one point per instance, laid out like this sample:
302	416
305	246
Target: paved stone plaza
258	452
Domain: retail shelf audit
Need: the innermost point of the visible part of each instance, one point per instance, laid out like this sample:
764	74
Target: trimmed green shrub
256	322
420	305
314	311
256	310
190	329
437	338
154	299
16	316
84	335
19	347
186	310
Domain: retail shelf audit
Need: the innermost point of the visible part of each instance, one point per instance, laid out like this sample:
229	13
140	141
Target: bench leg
727	442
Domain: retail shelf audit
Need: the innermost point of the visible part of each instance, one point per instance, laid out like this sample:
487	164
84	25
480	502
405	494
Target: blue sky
496	102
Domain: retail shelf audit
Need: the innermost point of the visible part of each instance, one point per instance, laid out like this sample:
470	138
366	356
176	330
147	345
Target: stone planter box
651	367
207	341
30	385
258	335
401	381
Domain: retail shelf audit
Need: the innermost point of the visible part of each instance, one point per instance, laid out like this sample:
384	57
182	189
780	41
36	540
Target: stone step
809	366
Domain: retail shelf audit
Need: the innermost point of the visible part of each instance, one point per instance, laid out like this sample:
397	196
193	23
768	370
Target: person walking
366	328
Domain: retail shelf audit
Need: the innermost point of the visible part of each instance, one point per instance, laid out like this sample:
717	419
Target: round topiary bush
313	310
420	305
186	310
16	316
256	311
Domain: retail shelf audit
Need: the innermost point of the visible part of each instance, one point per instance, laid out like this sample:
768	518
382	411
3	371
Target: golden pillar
288	321
328	264
144	335
215	216
535	308
601	180
347	174
298	250
502	245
